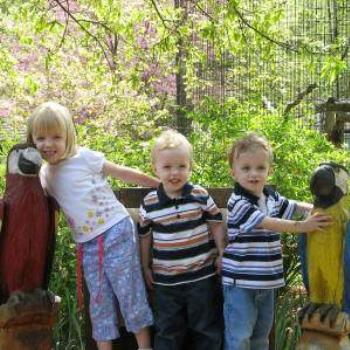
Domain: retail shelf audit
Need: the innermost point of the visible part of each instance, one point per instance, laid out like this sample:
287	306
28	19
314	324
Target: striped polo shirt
253	257
183	248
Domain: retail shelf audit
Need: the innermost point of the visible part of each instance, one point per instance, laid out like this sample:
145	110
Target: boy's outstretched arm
129	175
312	223
145	250
303	208
219	234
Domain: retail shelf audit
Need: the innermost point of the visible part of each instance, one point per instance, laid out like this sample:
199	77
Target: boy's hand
148	275
218	264
315	222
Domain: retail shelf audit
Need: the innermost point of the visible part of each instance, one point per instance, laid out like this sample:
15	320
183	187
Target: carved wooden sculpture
27	239
325	320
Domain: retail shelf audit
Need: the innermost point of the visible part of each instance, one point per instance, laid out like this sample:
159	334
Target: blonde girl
101	226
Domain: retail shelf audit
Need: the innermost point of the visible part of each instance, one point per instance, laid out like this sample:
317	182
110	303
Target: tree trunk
182	122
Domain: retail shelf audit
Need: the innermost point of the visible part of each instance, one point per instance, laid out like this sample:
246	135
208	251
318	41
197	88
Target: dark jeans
194	309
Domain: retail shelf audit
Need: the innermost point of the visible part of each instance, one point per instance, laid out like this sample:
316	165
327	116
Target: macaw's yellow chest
325	256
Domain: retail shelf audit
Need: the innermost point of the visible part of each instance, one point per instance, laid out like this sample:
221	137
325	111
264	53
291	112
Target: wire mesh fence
324	23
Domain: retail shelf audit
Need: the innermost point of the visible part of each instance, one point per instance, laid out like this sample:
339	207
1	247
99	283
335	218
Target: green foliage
7	140
287	330
297	150
333	67
68	330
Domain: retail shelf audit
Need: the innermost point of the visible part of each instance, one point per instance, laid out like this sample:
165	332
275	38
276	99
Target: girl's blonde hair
170	139
53	117
250	142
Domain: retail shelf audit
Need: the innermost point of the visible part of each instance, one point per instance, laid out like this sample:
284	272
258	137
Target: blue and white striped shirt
253	257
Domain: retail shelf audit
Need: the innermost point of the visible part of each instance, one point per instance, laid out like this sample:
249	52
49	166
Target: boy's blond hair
170	139
250	142
53	117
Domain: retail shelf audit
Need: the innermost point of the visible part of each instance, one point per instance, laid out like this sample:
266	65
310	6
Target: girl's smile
51	146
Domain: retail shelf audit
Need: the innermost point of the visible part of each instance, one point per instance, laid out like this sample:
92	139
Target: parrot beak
28	167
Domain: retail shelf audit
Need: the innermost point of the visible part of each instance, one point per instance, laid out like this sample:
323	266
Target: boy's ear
232	172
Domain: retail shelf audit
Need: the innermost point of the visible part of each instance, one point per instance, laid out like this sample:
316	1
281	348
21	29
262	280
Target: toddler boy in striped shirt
252	265
181	237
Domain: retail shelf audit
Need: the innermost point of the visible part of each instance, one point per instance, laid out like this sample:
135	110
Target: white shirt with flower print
83	194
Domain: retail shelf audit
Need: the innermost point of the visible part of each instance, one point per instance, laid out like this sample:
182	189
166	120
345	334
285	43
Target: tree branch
265	36
299	98
65	31
99	23
160	15
202	11
111	65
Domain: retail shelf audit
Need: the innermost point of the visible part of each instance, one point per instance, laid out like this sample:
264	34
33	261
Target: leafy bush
287	330
69	328
297	149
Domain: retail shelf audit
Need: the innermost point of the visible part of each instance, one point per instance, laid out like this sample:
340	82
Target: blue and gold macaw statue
326	255
325	260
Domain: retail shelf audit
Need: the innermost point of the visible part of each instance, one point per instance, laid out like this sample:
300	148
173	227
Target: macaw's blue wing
346	303
302	251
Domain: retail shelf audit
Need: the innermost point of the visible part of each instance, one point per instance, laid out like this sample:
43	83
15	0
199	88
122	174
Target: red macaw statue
27	225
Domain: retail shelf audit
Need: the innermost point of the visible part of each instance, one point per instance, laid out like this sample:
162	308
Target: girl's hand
148	275
316	222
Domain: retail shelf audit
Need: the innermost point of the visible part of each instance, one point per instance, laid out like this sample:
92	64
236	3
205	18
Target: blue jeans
248	316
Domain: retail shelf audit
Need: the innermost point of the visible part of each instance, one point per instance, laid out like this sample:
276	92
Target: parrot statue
324	254
27	225
325	262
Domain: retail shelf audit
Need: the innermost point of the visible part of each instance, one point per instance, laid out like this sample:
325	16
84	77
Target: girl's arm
312	223
129	175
